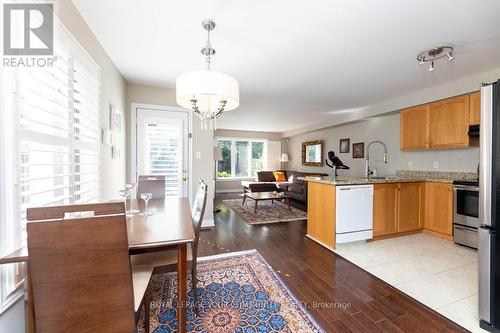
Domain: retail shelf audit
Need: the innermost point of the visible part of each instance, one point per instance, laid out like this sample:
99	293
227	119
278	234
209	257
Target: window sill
234	179
15	296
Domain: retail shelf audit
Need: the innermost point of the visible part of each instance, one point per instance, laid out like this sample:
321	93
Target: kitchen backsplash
437	174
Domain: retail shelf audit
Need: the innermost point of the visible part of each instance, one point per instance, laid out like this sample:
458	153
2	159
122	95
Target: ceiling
298	62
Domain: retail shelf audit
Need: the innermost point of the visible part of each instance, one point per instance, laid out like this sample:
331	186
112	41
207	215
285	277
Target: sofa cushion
265	176
299	189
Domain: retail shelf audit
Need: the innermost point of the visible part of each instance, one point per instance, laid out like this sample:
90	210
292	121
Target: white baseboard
209	223
230	191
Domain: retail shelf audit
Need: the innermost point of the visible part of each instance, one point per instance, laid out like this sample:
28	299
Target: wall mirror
312	153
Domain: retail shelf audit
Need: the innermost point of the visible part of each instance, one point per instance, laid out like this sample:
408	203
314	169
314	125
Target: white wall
203	141
386	129
112	92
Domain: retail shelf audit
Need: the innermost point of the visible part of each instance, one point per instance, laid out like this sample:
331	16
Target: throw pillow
279	176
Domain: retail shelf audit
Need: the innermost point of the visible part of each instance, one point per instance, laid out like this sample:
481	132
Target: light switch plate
410	164
198	155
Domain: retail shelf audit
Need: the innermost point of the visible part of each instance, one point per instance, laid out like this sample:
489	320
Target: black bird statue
336	162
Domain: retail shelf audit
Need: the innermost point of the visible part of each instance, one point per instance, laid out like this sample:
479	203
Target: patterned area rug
267	212
238	292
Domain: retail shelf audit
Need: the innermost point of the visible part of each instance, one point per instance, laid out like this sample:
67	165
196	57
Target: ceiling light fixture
435	53
207	93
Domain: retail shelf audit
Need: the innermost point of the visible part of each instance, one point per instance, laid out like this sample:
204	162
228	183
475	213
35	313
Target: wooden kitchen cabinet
321	213
414	127
475	108
385	198
449	122
410	202
439	207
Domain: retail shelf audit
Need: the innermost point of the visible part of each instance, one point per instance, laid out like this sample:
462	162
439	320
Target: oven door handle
467	188
467	229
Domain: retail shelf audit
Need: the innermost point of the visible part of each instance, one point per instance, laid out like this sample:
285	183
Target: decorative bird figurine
336	162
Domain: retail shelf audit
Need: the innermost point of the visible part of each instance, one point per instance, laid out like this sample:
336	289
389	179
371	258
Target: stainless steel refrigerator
489	209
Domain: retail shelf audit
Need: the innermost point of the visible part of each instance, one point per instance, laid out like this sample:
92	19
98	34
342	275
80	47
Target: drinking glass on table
146	197
124	194
131	188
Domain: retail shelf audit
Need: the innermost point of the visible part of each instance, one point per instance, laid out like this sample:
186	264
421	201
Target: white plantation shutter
163	149
273	155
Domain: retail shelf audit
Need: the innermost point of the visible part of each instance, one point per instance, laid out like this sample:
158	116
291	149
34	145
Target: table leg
288	203
244	198
255	207
181	287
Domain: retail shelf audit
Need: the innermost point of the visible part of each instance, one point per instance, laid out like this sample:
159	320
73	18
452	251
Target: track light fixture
435	53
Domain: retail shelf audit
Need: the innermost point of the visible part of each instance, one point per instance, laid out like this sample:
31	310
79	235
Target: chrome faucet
368	172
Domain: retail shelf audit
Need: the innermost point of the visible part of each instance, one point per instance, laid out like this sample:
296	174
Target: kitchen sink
381	178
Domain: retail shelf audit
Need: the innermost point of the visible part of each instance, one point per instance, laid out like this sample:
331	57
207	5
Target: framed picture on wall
358	150
344	145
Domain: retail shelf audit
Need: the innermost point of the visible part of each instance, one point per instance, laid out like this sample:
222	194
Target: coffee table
262	196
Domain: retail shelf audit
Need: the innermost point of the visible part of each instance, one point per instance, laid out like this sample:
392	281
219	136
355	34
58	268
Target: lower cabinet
439	207
385	197
397	207
410	206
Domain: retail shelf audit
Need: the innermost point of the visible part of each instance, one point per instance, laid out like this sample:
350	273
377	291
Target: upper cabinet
414	132
449	123
475	108
441	124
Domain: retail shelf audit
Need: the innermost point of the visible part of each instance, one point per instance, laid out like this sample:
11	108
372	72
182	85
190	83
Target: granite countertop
376	180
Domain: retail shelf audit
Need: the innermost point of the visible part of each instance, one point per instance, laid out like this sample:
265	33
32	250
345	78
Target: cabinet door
384	209
475	108
439	207
414	127
409	207
449	122
321	213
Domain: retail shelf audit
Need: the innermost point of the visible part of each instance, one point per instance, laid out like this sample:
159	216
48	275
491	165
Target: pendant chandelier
207	93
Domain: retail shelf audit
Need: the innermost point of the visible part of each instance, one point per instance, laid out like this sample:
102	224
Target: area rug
237	292
267	212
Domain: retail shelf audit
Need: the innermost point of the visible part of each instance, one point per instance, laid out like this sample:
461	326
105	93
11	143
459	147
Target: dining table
168	227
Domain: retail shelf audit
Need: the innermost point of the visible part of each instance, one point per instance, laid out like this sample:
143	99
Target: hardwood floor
341	296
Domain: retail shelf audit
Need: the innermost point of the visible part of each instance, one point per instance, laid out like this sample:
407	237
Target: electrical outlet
410	164
435	165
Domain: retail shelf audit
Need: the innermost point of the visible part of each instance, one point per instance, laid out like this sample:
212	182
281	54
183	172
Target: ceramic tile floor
436	272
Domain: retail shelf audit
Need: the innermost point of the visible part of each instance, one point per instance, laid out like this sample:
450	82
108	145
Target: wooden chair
170	257
153	184
79	269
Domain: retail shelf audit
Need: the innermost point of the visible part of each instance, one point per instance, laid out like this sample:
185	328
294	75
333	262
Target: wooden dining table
170	226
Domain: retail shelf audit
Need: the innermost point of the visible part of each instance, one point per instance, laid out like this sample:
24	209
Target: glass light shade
208	88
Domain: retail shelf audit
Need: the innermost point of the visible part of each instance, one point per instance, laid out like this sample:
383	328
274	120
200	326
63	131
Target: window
50	137
242	158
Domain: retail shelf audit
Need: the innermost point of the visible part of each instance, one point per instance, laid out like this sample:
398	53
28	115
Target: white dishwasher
354	213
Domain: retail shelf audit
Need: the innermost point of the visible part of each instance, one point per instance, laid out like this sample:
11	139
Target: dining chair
154	184
169	257
79	268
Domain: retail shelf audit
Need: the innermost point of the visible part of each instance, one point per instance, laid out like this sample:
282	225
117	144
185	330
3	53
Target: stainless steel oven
466	212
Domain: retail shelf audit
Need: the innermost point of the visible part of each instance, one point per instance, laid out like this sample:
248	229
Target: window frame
249	155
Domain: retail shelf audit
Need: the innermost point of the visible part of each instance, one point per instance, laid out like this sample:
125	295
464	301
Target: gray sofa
266	182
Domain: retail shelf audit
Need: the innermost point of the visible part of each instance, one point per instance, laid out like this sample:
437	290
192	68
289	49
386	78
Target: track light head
431	67
450	56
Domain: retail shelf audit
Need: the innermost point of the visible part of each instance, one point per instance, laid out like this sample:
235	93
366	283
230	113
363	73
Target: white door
162	148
